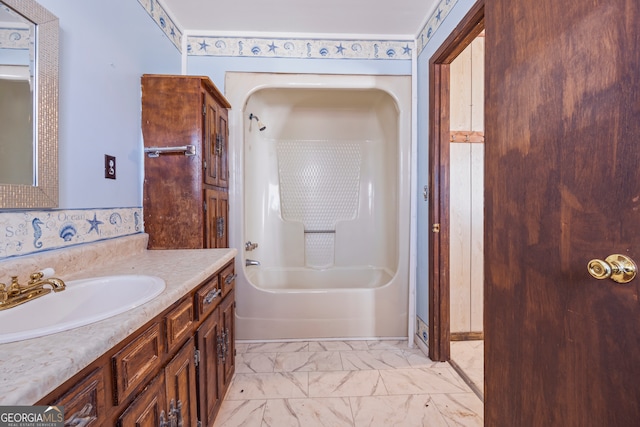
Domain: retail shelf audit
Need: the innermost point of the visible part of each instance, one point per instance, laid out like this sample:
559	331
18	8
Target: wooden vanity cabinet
185	197
175	368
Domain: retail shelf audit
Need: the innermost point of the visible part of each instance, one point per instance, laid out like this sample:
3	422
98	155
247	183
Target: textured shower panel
319	186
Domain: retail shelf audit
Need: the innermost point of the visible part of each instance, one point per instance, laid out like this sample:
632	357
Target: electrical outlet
109	166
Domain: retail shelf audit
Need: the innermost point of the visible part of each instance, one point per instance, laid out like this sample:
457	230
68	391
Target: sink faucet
249	262
17	294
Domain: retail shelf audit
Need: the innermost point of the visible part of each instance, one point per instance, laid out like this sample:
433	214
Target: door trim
439	134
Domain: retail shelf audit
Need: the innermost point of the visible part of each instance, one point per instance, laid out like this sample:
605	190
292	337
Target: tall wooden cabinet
185	193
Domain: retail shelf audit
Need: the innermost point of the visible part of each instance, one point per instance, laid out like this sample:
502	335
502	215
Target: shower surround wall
324	192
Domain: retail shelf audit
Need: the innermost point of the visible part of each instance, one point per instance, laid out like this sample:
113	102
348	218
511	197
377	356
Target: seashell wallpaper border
264	47
27	232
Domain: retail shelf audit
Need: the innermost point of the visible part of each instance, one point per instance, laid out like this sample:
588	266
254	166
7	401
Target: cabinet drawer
179	324
85	403
227	279
137	361
208	297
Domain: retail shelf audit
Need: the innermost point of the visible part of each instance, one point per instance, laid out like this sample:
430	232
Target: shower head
261	125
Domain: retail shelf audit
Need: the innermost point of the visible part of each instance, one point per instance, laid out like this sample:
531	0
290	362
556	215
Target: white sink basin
81	303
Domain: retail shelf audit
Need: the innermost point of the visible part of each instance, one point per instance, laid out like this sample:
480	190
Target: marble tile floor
345	383
467	358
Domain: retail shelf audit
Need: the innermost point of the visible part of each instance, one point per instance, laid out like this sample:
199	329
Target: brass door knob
619	268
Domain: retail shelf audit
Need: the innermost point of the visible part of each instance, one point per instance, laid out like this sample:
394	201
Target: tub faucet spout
249	262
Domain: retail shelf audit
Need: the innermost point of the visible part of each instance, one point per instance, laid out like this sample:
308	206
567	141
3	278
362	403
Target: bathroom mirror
28	105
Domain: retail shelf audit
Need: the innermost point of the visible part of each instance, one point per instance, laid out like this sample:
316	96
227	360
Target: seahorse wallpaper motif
25	232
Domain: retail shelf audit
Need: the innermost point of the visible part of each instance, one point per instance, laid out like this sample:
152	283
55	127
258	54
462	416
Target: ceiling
398	19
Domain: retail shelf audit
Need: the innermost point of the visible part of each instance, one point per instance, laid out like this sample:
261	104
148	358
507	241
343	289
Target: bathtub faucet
248	246
249	262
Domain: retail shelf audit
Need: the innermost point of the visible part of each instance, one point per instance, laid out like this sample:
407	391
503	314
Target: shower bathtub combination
320	204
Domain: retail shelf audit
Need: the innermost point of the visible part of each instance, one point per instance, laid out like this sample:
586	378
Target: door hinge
199	423
204	165
196	357
204	205
204	109
436	228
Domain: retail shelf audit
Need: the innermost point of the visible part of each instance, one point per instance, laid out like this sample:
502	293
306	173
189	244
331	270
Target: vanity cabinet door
227	316
85	403
209	347
180	378
148	409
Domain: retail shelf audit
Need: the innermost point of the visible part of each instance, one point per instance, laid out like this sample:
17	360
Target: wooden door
208	384
562	187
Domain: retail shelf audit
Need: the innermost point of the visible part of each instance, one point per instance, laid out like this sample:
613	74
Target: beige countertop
31	369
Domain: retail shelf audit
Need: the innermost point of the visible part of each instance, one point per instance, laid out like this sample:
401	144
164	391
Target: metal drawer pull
213	294
230	278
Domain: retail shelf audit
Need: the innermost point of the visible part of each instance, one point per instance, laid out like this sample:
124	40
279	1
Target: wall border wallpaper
270	47
164	21
27	232
298	48
433	23
422	330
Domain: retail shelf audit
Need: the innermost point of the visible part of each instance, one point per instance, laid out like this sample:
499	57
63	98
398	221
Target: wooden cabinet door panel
216	232
208	383
180	379
227	311
85	403
212	147
222	132
146	409
222	236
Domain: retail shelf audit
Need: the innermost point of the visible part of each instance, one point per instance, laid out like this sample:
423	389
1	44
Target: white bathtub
305	279
324	192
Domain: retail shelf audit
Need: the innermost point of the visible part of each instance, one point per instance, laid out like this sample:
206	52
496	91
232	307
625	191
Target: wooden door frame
439	136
